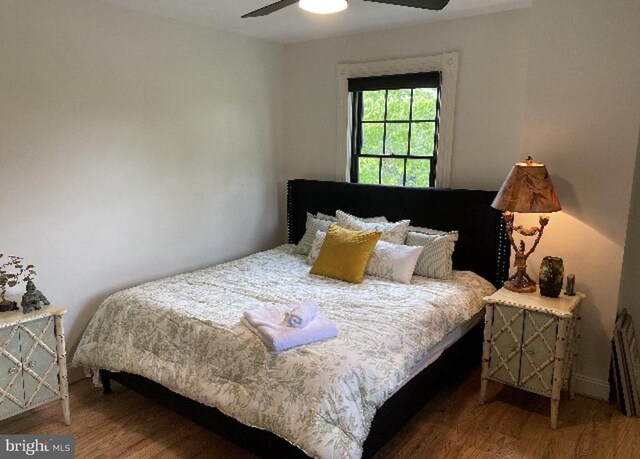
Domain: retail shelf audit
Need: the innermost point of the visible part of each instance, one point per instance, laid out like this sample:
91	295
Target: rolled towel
271	327
301	315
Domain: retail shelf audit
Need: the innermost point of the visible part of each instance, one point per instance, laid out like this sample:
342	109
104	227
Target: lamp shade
527	189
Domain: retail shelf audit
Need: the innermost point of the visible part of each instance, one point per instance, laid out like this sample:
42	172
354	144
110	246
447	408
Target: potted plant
13	272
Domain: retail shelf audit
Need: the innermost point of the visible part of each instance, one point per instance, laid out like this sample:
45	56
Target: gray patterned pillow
435	260
395	233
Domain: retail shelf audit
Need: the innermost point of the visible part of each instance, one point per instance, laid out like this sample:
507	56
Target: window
394	129
347	153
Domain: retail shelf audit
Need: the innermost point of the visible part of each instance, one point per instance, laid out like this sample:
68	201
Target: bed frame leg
105	379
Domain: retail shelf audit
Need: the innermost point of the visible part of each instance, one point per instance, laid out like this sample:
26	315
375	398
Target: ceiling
292	24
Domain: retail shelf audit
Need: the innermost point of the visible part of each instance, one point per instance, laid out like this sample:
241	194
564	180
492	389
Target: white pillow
318	240
382	219
322	216
393	261
395	233
388	261
435	260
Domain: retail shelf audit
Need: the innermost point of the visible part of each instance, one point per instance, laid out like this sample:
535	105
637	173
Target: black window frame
386	83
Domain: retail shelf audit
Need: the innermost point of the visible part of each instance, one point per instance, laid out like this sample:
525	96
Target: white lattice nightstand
530	342
33	362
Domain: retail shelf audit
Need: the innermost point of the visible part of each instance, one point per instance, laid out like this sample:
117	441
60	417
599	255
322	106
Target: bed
181	339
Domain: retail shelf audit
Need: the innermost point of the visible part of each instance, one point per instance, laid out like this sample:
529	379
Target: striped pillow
313	225
435	260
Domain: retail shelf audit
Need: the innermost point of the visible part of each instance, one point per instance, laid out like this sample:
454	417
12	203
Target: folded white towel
270	326
302	314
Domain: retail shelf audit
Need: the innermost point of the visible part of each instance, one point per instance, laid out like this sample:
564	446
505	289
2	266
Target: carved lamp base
520	282
511	285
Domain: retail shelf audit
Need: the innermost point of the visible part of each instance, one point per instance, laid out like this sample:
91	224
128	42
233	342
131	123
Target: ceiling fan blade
270	8
422	4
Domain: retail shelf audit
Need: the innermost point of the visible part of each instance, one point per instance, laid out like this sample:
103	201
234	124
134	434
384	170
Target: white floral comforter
184	332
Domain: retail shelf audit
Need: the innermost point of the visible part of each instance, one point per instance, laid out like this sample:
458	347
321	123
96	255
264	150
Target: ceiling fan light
323	6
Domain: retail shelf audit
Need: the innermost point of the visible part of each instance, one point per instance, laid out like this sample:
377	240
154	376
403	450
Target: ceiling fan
333	6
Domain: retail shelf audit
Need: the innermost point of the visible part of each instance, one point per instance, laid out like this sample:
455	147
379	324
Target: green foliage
425	103
392	171
399	104
422	139
372	138
398	107
373	105
368	170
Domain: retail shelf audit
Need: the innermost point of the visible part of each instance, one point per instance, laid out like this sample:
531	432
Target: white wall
132	147
630	285
558	81
490	96
582	118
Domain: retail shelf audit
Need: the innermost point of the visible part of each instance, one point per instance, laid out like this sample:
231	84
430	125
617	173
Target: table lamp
527	189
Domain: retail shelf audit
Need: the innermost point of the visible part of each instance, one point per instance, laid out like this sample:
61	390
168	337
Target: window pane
422	138
424	103
418	172
392	171
373	105
368	170
397	138
372	135
398	104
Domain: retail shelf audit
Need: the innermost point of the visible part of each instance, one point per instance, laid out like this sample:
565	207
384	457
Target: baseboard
75	374
592	387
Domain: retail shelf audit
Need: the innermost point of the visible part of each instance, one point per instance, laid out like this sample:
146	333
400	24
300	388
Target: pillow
435	260
313	224
318	240
395	233
322	216
420	229
321	222
344	254
388	261
382	219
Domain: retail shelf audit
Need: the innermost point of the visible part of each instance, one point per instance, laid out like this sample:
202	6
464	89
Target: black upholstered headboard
483	246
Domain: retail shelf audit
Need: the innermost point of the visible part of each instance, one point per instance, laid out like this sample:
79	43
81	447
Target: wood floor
512	424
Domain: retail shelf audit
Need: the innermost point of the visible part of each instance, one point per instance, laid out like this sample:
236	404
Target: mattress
184	332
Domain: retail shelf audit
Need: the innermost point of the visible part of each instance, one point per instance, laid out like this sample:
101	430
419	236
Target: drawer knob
31	364
13	370
531	352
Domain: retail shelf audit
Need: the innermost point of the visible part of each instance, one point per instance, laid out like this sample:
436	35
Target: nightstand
33	362
530	342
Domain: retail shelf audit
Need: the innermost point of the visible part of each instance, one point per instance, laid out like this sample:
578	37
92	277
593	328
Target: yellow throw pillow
345	254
